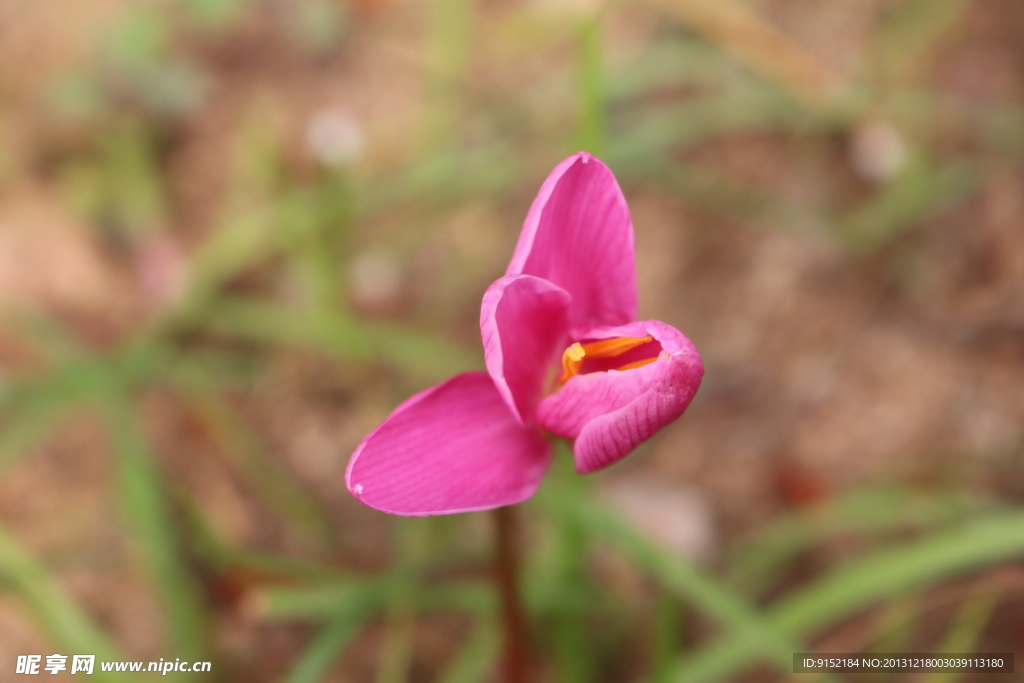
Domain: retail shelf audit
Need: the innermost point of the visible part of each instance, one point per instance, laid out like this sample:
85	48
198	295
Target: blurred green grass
279	221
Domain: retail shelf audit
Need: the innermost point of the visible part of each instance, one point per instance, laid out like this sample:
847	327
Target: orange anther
609	348
572	359
637	364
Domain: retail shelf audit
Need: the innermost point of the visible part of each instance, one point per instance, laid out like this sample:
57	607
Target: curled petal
609	413
524	323
452	448
578	235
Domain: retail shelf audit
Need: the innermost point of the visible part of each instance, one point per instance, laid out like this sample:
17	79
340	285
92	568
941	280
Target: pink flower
564	355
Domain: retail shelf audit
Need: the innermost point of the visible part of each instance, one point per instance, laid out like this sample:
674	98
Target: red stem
517	655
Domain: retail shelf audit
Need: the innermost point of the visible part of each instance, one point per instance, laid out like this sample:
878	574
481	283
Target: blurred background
234	234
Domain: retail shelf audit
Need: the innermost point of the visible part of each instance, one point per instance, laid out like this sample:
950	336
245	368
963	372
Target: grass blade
921	191
667	635
856	586
591	132
352	340
450	34
476	658
735	28
331	641
67	624
145	505
968	627
682	579
242	447
878	511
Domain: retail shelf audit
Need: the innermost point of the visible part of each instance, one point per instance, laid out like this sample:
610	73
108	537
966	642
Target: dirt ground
827	370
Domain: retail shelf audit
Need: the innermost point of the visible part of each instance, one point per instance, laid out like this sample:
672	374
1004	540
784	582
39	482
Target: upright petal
452	448
610	413
524	322
578	235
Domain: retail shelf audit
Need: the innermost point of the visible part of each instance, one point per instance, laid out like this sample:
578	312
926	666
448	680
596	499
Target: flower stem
517	656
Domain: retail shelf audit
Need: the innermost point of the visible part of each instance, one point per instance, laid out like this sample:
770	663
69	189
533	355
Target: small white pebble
878	151
334	137
680	518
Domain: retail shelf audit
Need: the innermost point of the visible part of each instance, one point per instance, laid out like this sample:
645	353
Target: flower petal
610	413
578	235
454	447
524	323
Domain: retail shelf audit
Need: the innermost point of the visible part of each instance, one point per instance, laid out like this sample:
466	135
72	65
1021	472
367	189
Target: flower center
577	353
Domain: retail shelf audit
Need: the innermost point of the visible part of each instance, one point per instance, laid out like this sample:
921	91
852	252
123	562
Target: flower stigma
573	357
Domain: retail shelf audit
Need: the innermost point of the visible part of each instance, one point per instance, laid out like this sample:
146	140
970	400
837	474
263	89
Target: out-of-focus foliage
305	246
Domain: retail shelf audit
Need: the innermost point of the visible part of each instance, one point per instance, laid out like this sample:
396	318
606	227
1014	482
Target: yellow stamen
572	359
